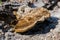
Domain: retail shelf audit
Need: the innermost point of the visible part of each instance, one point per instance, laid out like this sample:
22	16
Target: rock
1	35
56	13
17	1
27	21
45	1
9	36
1	23
21	1
58	4
22	10
32	1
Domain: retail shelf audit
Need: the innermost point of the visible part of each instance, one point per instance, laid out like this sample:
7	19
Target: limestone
28	21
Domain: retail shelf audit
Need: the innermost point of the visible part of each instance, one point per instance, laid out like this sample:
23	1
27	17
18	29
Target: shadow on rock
31	5
39	28
44	27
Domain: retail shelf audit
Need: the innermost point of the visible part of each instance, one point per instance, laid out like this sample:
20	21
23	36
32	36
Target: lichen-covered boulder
28	21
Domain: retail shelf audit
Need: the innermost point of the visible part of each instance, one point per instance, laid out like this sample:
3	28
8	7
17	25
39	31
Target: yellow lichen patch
30	19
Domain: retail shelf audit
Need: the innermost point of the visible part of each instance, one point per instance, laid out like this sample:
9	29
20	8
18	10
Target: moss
0	2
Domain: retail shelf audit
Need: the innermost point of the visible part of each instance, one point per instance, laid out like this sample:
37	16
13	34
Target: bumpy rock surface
50	28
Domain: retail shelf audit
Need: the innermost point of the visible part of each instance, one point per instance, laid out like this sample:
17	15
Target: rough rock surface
50	30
